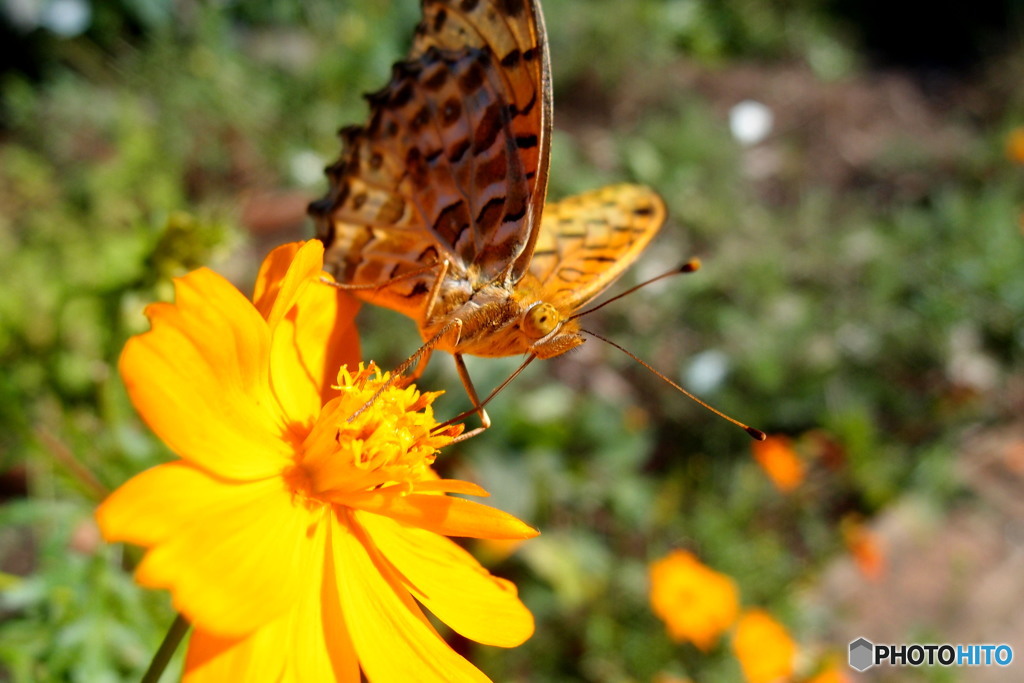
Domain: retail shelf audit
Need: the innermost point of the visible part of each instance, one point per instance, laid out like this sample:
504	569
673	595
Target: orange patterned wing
588	240
453	162
515	33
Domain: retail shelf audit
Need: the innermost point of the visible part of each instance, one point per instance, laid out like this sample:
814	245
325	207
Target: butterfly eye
540	320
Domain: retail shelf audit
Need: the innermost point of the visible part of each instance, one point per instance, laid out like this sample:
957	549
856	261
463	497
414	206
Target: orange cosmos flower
764	648
695	602
295	531
780	462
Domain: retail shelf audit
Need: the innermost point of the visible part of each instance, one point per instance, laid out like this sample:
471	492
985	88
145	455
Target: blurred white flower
750	122
306	168
968	364
67	18
707	371
23	14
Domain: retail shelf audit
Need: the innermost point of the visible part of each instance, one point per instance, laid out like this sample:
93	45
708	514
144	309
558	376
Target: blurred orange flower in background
1015	145
832	673
696	603
666	677
303	522
864	547
780	462
763	647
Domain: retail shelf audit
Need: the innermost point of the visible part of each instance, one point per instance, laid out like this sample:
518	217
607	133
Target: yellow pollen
388	442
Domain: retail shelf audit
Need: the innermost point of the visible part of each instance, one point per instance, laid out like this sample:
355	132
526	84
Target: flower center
373	434
299	483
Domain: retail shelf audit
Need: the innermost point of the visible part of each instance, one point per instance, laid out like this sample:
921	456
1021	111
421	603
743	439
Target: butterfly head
549	332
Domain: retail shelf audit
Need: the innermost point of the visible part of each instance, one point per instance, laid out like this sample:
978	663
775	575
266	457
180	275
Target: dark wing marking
454	149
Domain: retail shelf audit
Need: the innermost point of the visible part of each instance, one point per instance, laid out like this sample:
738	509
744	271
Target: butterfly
436	207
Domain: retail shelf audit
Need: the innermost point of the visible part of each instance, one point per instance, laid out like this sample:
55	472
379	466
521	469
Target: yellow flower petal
306	266
764	648
395	642
313	332
239	565
253	659
271	274
199	379
465	488
440	514
323	648
154	505
451	583
310	643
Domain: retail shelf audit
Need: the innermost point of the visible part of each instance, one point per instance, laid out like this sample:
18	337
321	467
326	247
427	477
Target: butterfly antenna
754	433
690	266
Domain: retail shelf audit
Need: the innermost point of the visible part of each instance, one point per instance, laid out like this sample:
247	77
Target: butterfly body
500	320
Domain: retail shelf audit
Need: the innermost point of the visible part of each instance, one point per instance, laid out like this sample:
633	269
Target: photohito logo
864	654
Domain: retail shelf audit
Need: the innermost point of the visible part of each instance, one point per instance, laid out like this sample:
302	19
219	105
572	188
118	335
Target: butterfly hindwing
513	31
452	164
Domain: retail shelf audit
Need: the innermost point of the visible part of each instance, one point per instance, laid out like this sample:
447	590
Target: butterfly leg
478	408
432	298
420	356
421	366
479	405
376	286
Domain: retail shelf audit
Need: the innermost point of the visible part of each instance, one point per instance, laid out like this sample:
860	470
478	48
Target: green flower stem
172	640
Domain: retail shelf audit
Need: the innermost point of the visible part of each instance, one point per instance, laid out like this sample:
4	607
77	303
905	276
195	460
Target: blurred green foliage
881	311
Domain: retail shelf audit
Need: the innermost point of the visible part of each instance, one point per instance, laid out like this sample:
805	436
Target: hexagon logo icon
862	654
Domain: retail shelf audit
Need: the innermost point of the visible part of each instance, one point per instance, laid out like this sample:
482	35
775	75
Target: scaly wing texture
514	31
585	242
453	162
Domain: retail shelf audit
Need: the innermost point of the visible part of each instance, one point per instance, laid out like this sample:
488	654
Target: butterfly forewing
586	241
